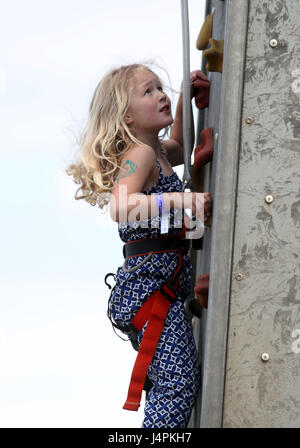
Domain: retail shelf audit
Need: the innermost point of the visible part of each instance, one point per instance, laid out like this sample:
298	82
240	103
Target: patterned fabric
174	369
151	228
173	372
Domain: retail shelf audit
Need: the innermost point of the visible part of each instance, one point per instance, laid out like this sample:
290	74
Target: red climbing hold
201	289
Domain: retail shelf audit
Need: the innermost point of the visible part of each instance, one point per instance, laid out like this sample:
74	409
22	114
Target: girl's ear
128	120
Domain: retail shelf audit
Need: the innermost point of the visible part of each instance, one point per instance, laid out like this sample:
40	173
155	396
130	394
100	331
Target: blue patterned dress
174	371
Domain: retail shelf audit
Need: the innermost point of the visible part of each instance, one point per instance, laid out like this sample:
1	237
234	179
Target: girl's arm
139	206
174	146
128	204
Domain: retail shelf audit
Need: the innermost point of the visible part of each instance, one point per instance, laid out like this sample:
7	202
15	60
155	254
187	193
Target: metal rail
186	110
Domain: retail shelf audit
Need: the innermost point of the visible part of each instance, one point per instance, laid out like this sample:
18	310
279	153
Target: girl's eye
148	91
160	88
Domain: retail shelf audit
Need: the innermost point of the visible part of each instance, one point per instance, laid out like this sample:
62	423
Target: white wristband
164	224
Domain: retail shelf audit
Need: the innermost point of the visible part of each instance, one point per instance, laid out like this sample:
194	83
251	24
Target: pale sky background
61	365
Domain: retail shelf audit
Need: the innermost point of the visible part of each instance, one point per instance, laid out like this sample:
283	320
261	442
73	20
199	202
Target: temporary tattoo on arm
128	168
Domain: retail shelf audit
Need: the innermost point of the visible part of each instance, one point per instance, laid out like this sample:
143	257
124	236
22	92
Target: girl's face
150	108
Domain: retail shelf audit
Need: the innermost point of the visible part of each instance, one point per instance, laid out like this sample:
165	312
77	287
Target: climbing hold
214	56
202	289
208	223
201	88
205	33
197	243
203	153
196	179
195	307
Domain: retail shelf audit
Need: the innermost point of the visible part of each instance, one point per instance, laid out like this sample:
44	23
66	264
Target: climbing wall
249	338
263	359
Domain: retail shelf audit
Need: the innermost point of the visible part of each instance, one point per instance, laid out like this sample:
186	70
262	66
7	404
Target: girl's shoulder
143	154
137	167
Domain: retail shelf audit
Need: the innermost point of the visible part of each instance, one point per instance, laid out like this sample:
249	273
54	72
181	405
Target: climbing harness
154	311
114	324
140	264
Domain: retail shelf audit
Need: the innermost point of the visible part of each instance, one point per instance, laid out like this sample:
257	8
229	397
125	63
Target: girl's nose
163	96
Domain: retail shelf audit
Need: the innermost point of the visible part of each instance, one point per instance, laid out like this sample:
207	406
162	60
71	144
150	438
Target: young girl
124	157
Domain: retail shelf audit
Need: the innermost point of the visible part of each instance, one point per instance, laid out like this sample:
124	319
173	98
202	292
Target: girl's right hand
196	78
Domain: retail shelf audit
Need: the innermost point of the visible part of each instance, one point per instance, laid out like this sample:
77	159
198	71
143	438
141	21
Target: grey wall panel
224	116
265	281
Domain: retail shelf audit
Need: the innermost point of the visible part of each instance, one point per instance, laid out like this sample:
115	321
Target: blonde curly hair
106	137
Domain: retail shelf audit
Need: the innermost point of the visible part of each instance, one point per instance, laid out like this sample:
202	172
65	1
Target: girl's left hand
196	75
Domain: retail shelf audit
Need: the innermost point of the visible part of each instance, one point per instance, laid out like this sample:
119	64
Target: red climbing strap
154	310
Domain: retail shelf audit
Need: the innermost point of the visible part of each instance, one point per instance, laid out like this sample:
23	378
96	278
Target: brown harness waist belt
162	244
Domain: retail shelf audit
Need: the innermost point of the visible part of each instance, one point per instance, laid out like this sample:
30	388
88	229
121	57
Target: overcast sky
61	365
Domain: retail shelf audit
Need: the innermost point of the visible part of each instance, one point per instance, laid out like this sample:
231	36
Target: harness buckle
168	293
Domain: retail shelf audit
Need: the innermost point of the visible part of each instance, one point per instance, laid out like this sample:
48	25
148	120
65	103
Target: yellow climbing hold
214	56
205	33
